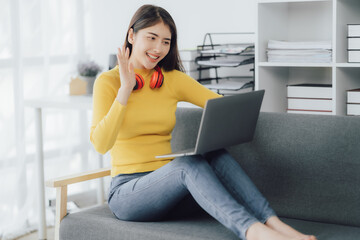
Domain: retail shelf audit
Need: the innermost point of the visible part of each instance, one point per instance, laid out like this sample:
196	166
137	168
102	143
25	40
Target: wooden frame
61	185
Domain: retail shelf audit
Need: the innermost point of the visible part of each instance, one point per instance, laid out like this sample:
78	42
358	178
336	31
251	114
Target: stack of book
354	43
299	52
353	102
309	98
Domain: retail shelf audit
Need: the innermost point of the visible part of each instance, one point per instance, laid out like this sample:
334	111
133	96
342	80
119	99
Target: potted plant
87	71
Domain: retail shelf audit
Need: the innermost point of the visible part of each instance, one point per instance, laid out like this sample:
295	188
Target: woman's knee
190	162
138	213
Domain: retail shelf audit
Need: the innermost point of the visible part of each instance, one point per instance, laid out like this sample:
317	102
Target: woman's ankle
259	231
252	232
277	225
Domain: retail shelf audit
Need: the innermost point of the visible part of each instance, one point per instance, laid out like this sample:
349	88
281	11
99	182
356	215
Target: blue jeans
216	182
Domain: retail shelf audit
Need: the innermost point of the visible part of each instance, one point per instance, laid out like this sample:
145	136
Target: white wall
194	18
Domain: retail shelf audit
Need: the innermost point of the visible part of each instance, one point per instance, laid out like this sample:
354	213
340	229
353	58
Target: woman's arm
108	113
189	90
109	104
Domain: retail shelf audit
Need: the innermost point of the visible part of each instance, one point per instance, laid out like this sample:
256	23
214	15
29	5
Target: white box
353	30
309	91
190	66
309	104
353	96
353	109
354	56
354	43
188	54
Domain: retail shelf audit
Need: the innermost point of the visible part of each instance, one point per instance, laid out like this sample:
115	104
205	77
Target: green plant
88	68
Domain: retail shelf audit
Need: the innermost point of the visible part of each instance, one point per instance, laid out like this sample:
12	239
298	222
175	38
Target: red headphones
156	81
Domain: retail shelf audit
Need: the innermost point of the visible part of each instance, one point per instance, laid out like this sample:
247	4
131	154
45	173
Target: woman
133	116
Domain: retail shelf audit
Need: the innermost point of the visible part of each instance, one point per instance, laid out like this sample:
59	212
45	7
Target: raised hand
127	75
126	69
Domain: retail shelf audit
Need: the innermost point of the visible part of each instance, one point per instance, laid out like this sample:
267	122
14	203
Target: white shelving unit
306	20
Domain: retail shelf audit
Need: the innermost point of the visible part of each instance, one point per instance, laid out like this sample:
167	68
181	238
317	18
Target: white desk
79	103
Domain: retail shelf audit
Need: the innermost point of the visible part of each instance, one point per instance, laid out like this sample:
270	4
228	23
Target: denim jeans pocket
120	179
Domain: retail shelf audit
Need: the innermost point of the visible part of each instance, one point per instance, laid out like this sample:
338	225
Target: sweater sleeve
189	90
108	114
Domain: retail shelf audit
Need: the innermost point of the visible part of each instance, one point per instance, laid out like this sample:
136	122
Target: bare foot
259	231
276	224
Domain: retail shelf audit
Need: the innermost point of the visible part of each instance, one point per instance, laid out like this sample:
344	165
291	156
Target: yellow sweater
141	130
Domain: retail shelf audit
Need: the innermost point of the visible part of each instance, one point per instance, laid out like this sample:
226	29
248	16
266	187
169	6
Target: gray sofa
307	166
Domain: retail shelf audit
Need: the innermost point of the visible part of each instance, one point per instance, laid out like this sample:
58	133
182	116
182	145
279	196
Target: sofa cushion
99	223
307	166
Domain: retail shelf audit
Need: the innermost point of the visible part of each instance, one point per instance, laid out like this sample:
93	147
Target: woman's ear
131	36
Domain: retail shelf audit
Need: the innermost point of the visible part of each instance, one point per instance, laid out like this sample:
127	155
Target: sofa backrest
307	166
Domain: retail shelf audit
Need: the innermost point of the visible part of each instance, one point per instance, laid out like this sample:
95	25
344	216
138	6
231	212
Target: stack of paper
299	52
243	50
226	62
231	87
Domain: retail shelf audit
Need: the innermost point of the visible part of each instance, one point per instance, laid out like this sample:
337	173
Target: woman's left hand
126	69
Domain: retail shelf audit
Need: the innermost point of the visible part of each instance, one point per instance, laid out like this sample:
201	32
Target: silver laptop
225	122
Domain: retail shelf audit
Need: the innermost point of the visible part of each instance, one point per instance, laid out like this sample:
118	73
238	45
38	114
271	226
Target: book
310	112
353	96
309	104
307	90
353	109
354	56
354	43
353	30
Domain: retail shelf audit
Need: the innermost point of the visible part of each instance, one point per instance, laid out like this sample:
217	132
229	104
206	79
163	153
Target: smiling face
149	45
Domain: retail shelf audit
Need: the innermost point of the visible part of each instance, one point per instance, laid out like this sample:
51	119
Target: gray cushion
306	165
100	223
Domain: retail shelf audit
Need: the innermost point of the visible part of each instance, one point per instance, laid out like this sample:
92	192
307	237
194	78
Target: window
41	42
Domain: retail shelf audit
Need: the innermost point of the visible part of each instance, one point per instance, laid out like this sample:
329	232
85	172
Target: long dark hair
149	15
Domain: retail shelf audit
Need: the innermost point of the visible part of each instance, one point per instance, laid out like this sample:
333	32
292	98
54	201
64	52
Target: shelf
348	65
281	64
300	21
347	12
284	64
293	21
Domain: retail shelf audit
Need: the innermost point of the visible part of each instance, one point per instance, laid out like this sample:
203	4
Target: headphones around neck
157	79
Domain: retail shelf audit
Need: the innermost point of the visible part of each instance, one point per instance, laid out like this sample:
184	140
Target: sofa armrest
61	184
76	178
